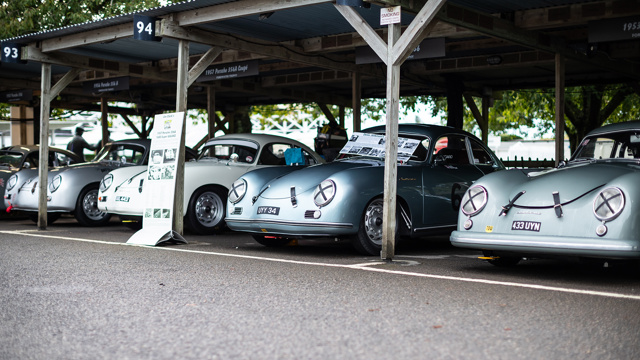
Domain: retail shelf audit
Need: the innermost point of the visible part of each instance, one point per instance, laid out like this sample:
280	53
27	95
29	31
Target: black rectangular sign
428	49
106	85
16	95
626	28
231	70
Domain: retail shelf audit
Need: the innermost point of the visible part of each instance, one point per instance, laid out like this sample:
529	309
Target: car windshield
131	154
10	158
623	145
222	150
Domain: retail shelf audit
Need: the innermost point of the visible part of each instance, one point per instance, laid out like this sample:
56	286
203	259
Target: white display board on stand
159	185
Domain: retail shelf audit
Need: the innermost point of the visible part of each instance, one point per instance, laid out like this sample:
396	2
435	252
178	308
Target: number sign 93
11	53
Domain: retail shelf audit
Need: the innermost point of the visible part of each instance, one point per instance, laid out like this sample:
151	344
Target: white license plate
268	210
526	225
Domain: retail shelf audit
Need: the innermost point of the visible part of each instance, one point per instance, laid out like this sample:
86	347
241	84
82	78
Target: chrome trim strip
549	244
290	223
435	227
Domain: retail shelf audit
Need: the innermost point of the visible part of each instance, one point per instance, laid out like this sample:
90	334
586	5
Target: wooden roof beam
495	27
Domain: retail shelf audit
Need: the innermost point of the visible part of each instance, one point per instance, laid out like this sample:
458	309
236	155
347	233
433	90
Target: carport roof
314	29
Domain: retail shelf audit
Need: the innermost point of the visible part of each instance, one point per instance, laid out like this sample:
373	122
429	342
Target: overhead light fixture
494	60
356	3
265	16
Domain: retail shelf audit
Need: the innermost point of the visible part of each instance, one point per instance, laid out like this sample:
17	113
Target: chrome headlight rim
609	203
106	183
238	191
468	206
324	193
55	183
12	182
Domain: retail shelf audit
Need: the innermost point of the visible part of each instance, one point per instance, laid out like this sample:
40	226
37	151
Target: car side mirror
26	165
233	158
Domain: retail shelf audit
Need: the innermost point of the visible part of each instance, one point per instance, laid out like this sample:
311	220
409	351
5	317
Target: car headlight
106	182
238	190
324	193
474	200
608	204
11	183
55	183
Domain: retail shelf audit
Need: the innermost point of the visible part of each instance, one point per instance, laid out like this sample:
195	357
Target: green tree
18	18
586	108
24	17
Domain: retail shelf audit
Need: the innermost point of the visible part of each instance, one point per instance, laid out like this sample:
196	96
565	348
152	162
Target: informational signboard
428	49
625	28
106	85
390	15
159	187
230	70
366	144
16	95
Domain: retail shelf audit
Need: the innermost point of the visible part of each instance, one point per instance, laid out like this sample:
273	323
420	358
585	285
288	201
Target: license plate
268	210
122	198
526	225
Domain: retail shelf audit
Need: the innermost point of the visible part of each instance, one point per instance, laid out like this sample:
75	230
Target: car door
449	173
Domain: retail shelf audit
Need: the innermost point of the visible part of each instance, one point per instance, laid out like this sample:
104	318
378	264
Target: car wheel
87	212
206	212
502	261
368	240
51	217
271	241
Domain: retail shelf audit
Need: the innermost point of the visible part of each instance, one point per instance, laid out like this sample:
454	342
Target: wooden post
356	91
181	105
391	148
211	111
104	120
559	109
43	169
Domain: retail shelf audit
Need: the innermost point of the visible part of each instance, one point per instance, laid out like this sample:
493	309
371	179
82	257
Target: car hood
570	182
308	178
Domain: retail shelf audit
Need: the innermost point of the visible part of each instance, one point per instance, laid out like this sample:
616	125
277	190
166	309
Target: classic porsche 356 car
344	198
19	163
206	181
74	189
586	208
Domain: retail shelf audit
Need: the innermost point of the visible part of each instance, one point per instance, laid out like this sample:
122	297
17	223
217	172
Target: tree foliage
24	17
586	108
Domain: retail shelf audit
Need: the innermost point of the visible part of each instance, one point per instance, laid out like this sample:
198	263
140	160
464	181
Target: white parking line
363	266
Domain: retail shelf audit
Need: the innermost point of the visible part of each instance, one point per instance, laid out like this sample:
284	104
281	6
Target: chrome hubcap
209	209
90	206
373	222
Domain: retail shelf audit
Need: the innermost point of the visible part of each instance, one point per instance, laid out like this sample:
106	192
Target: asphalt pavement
71	292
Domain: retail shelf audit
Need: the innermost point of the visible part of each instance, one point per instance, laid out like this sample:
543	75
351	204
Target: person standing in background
78	143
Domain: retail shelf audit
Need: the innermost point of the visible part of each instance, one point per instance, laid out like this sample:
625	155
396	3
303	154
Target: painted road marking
370	266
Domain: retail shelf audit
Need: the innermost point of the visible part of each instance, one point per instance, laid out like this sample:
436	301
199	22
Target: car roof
260	138
29	148
623	126
430	130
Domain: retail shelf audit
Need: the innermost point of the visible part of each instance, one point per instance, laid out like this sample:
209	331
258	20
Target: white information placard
159	187
390	15
366	144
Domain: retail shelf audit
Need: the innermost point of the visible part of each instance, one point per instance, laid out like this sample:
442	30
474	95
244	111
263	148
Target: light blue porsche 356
588	207
343	199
